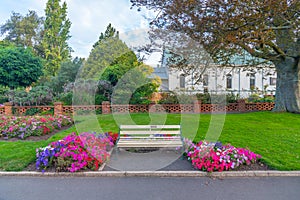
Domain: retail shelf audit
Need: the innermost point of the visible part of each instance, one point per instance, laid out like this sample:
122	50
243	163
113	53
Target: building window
205	80
272	81
252	81
228	81
182	81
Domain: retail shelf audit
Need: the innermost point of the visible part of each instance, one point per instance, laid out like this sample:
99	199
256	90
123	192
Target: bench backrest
158	130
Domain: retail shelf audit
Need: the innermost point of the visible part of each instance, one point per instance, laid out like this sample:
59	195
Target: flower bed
211	157
25	126
76	152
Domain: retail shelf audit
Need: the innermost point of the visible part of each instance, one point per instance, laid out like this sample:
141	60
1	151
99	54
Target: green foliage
232	98
99	98
65	97
110	61
24	31
3	96
142	94
119	67
3	99
39	95
56	35
32	111
66	74
109	50
103	90
134	87
49	112
205	98
18	67
110	32
268	33
176	98
168	98
255	98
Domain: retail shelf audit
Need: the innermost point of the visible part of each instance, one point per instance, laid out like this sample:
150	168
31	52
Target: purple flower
218	145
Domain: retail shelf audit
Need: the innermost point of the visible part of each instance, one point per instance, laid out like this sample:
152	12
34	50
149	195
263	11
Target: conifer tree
56	34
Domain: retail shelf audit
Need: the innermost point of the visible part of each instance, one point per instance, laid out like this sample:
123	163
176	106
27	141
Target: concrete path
162	160
144	188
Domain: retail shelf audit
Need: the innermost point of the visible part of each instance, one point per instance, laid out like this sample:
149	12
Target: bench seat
152	136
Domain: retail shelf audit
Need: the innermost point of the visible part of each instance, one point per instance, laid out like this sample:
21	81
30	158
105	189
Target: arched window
205	80
228	81
252	81
182	81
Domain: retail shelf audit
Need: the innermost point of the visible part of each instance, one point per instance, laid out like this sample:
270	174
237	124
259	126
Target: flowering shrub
112	136
76	152
210	157
46	155
22	127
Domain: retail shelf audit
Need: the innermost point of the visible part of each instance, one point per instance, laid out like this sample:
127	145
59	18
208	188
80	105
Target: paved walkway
159	160
146	188
160	163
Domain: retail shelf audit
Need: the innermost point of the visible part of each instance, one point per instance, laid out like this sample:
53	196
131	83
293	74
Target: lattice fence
251	107
206	107
232	107
21	110
81	109
129	108
169	108
177	108
265	106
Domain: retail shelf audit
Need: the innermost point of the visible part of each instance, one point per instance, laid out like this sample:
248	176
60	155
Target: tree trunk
287	85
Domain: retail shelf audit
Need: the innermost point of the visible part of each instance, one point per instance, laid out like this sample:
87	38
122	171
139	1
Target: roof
161	72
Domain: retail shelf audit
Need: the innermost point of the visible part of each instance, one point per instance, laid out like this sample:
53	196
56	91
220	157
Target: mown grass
275	136
15	156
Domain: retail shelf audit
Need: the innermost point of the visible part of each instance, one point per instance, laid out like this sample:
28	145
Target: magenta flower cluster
25	126
211	157
75	152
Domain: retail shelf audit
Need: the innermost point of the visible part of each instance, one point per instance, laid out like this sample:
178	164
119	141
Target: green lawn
273	135
15	156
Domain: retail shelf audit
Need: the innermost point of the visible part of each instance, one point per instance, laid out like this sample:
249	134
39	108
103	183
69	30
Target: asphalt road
140	188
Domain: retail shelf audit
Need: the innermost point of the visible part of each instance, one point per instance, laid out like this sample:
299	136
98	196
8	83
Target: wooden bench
150	136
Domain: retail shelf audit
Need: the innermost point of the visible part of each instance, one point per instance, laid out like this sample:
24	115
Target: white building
261	80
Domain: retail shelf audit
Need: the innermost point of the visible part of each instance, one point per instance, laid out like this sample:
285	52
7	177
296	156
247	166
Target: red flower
46	130
43	120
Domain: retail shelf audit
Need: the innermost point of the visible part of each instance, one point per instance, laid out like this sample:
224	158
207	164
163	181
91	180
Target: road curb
157	174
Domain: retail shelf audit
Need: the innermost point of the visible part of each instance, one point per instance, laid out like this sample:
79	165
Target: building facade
215	79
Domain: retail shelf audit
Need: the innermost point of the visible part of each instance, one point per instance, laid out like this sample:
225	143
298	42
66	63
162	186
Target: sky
89	18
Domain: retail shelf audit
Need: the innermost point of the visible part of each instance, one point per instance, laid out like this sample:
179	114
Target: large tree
66	74
115	64
269	30
106	52
18	67
109	33
55	37
24	31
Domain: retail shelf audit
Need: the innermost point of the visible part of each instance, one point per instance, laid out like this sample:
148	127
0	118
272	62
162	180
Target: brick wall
106	108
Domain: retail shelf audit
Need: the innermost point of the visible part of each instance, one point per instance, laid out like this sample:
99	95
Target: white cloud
89	18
